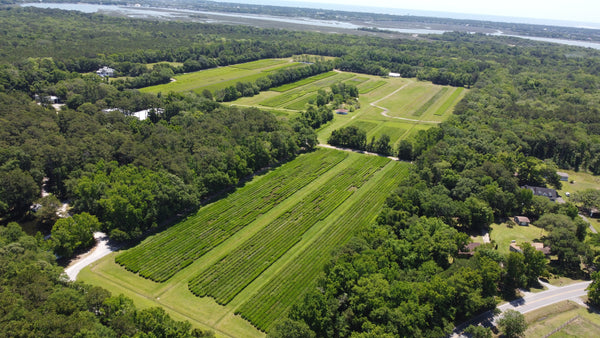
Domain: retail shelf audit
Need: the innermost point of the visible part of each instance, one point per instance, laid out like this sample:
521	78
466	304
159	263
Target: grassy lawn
303	82
259	64
581	181
222	77
503	235
544	321
174	64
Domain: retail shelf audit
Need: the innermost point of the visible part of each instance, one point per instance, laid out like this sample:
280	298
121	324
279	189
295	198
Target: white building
106	72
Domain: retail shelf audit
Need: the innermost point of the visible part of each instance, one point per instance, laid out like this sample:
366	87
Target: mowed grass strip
299	277
161	256
300	104
303	82
280	100
225	279
449	102
430	102
215	78
367	87
259	64
284	98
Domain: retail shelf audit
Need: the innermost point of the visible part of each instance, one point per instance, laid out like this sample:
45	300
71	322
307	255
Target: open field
303	82
282	247
581	322
581	181
222	77
502	235
174	64
393	106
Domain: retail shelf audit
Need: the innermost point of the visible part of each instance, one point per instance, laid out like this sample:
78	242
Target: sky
567	10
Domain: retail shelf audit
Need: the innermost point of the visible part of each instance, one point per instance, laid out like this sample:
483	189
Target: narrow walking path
592	229
386	111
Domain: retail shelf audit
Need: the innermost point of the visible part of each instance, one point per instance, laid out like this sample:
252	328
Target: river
170	13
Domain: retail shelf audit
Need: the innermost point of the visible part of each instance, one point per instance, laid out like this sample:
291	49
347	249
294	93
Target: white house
394	74
106	72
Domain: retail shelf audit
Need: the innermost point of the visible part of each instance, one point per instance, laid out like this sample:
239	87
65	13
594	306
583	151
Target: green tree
288	328
18	190
535	264
515	273
73	233
477	331
512	323
594	289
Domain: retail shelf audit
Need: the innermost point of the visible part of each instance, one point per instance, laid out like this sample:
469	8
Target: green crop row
302	102
161	256
303	82
443	108
280	100
367	87
300	276
264	63
423	108
226	278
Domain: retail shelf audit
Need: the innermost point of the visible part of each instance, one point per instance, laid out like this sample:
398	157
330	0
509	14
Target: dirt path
386	111
592	229
357	151
101	249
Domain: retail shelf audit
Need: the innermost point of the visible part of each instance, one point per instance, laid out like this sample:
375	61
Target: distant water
416	12
171	13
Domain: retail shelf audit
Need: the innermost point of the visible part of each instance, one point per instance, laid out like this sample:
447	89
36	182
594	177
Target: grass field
306	209
222	77
174	64
410	105
503	235
545	321
303	82
581	181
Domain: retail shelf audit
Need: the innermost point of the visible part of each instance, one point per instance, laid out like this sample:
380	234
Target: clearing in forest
221	77
394	106
260	249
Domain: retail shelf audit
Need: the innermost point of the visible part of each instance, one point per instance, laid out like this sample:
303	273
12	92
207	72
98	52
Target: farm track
386	110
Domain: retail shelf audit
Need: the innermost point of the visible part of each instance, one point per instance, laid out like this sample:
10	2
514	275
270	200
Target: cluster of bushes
356	138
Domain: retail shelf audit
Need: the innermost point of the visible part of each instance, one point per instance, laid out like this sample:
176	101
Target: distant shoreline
416	12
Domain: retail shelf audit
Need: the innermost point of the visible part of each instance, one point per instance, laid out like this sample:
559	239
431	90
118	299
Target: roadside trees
512	323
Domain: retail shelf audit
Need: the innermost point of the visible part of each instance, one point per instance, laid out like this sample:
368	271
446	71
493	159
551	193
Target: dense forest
532	108
38	302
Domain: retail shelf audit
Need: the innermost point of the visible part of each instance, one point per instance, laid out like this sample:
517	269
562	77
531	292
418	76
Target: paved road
542	299
531	302
101	249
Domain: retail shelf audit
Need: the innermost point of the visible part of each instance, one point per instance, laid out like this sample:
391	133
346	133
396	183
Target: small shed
341	111
522	220
563	176
394	74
